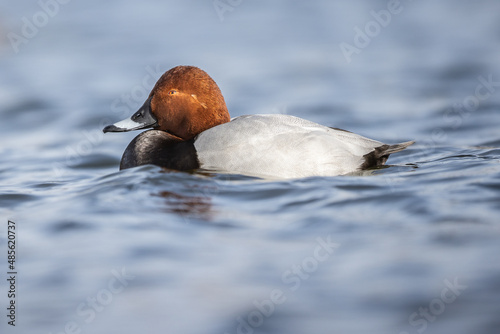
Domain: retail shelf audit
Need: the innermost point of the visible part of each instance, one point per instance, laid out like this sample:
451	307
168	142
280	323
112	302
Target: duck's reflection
198	206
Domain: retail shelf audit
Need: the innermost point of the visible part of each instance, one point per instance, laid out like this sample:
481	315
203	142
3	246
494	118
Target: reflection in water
187	206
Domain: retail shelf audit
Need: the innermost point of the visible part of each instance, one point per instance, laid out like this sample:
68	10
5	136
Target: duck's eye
172	92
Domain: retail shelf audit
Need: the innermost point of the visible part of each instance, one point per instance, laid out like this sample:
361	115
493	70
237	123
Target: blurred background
148	250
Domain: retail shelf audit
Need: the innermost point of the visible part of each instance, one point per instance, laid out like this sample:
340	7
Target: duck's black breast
162	149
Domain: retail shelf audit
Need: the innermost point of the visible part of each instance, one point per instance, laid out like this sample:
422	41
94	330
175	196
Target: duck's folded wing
282	146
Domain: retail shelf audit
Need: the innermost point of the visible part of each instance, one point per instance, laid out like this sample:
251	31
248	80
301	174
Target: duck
190	129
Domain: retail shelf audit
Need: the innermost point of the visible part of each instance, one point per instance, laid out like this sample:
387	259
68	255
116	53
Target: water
410	248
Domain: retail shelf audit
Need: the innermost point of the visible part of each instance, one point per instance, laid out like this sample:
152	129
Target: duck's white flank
281	146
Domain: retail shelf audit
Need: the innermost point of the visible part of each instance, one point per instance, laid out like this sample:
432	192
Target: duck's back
282	146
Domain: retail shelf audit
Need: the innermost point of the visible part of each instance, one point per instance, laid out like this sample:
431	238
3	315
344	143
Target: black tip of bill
113	128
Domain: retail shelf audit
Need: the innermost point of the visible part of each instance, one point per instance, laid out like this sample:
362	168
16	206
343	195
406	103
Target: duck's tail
379	155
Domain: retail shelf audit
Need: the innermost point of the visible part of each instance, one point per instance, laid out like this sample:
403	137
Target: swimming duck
192	129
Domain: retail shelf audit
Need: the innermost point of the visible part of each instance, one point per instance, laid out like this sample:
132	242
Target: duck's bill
142	119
